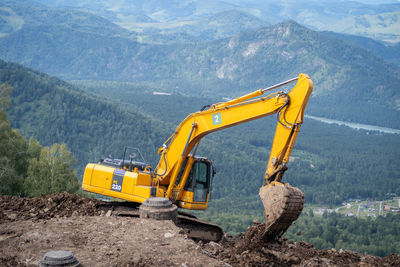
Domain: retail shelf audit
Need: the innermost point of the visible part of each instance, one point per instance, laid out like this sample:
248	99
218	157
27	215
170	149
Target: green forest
379	236
27	168
329	163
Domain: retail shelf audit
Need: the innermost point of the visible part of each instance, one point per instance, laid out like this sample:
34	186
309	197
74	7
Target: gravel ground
29	228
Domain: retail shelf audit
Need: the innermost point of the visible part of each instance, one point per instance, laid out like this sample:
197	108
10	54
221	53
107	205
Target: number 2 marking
216	119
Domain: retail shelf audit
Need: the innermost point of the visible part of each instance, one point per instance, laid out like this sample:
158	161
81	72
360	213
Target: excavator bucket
282	205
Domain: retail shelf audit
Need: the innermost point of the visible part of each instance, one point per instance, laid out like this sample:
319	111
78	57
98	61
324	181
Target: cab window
199	174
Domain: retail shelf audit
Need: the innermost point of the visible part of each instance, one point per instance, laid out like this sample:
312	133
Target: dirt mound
100	241
13	208
31	227
250	250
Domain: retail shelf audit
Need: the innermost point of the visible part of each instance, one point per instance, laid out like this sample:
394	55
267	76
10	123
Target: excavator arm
282	203
289	107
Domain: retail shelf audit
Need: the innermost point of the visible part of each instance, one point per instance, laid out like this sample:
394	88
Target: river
357	126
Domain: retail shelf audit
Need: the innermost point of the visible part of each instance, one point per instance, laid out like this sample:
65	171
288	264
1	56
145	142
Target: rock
12	216
213	248
168	235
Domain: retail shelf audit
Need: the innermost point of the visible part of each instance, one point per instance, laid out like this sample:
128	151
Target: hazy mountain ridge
17	15
382	26
361	18
390	53
212	27
162	11
107	21
372	20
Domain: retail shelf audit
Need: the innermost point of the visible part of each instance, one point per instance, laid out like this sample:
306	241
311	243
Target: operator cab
198	184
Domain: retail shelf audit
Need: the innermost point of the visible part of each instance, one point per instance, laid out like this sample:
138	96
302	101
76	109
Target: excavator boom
282	203
186	179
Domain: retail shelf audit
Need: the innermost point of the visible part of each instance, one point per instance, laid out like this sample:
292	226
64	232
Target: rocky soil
31	227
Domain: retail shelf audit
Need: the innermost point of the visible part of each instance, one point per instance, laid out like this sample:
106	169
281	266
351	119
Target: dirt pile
57	205
31	227
249	250
100	241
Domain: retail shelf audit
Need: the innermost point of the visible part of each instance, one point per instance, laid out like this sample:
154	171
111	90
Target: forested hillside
50	109
27	168
378	236
390	53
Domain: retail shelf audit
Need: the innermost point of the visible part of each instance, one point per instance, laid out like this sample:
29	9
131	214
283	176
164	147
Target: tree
51	172
5	91
13	149
27	169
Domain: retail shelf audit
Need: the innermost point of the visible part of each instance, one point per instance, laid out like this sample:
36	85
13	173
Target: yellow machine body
185	178
118	183
134	185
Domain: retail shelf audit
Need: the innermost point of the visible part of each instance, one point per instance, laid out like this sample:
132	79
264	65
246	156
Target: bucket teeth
282	205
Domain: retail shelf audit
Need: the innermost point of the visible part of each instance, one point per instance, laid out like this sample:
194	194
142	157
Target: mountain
163	11
370	20
382	26
377	19
129	21
18	15
349	82
389	52
212	27
51	109
55	49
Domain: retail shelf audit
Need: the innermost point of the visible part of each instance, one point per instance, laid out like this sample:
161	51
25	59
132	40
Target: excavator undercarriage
191	226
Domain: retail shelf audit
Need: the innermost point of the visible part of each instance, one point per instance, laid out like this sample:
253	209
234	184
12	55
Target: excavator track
199	229
282	205
192	227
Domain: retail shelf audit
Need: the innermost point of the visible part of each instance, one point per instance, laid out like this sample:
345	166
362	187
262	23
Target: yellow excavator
185	179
